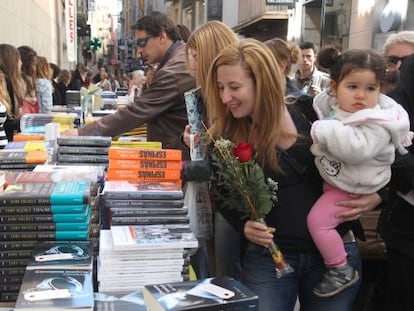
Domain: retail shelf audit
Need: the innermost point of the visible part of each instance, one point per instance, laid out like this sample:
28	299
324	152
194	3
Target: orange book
142	154
7	157
143	175
36	156
27	137
144	164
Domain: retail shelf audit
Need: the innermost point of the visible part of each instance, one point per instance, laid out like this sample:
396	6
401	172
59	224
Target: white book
143	237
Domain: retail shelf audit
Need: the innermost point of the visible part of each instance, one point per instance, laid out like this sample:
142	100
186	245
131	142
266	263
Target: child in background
4	109
354	145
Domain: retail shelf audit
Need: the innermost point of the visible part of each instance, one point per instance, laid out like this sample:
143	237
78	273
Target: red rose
243	152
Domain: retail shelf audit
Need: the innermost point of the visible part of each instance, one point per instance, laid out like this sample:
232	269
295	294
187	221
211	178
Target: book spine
17	166
17	245
85	141
141	154
86	158
145	164
148	211
144	175
45	209
44	218
137	144
6	255
122	221
44	235
82	150
45	227
14	263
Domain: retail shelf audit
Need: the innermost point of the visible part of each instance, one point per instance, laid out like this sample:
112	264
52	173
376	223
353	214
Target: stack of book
83	150
58	277
133	256
36	211
132	164
23	155
35	123
129	203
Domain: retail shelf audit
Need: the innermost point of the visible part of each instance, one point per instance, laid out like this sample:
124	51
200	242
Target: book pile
83	150
23	155
213	294
133	256
35	122
132	164
31	212
58	277
129	203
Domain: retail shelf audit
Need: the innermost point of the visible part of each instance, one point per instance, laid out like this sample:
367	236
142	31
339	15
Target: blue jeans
281	294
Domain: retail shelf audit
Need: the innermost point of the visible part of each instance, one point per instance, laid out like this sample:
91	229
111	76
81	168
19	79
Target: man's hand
70	132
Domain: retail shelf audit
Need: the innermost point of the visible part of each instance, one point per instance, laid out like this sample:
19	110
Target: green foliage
240	186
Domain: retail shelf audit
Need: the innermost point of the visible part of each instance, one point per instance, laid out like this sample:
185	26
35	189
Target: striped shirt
3	117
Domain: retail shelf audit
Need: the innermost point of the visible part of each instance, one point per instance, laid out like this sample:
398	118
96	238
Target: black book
213	294
82	158
82	150
138	203
142	190
103	141
56	290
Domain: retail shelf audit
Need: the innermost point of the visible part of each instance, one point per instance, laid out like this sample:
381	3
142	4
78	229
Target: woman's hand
258	233
186	136
358	204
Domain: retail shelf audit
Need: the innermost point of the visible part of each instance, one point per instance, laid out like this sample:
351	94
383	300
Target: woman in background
28	57
44	85
10	65
4	109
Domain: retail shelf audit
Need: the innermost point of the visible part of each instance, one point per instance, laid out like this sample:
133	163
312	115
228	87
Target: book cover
196	115
142	190
152	236
219	293
77	255
44	290
62	192
120	301
145	164
103	141
6	210
144	154
143	175
28	137
36	145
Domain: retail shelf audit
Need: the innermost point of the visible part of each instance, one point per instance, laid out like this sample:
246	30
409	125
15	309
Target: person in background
308	77
396	224
286	54
202	47
44	85
245	103
10	65
28	57
184	32
113	82
78	78
136	83
162	104
57	98
62	84
354	144
4	110
104	83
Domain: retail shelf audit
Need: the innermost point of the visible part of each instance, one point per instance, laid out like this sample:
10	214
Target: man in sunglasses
397	218
161	106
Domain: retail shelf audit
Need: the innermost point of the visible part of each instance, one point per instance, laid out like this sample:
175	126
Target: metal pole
323	6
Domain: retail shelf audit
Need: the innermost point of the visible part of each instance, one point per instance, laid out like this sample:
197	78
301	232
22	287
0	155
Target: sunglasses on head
395	59
143	41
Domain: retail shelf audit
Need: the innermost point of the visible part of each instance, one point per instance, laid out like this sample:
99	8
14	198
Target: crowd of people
334	135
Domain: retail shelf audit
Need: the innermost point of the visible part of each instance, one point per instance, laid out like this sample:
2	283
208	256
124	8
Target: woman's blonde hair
265	127
285	53
4	94
208	40
43	69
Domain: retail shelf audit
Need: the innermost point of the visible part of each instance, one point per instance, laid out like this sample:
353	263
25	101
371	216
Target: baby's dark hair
342	64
